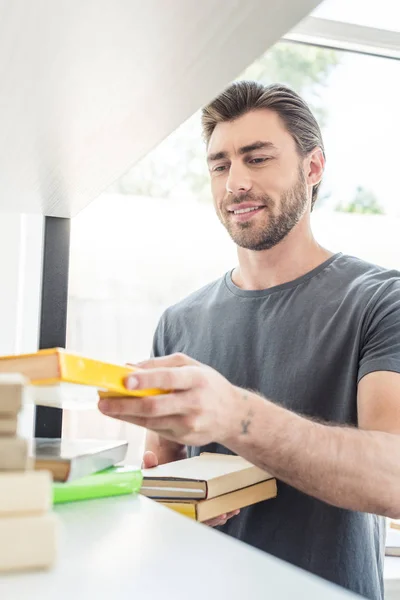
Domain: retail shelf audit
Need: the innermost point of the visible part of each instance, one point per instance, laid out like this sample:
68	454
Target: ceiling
88	87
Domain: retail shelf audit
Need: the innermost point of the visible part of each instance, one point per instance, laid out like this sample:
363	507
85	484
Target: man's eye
259	160
220	168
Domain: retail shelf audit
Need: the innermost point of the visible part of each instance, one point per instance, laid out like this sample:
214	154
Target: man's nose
238	181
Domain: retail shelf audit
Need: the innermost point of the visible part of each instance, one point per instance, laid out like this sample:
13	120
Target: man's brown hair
245	96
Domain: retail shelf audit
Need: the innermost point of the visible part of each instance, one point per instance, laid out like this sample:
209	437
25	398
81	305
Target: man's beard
250	235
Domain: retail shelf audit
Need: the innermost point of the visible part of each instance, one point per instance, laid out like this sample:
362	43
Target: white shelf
130	547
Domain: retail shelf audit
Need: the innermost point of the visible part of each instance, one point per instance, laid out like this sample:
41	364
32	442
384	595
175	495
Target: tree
364	202
178	164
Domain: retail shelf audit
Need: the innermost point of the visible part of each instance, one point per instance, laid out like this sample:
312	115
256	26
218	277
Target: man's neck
293	257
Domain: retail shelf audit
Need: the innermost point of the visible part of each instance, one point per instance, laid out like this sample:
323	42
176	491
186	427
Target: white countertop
131	547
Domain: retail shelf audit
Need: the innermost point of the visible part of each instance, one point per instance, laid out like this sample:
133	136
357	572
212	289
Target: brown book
70	459
28	542
203	510
205	476
14	454
13	392
8	425
25	493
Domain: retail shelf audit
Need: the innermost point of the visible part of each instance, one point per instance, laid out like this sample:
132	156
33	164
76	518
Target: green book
114	481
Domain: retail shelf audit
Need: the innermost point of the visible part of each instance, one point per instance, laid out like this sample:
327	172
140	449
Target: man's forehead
256	125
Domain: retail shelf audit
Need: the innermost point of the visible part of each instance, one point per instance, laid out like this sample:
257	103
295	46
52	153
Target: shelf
131	547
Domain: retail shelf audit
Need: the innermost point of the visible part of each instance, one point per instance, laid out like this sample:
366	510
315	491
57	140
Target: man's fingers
149	406
168	427
150	460
222	519
217	522
172	360
165	378
234	513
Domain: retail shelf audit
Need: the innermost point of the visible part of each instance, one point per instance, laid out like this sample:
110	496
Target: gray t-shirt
304	344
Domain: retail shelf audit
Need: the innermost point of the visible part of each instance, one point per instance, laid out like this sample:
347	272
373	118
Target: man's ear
315	166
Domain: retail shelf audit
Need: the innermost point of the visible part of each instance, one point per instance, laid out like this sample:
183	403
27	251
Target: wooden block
28	542
13	393
25	493
14	454
8	425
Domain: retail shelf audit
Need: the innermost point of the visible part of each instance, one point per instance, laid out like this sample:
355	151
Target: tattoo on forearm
245	423
245	426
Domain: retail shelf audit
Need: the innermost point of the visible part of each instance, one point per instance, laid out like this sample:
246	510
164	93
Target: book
24	493
205	476
14	454
114	481
54	366
71	459
13	393
28	542
203	510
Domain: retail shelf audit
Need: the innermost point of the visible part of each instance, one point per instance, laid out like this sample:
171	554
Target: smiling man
294	354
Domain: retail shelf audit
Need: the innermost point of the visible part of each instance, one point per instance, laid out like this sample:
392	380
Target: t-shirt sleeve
158	347
380	349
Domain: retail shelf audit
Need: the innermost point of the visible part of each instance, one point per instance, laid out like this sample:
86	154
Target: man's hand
202	406
150	460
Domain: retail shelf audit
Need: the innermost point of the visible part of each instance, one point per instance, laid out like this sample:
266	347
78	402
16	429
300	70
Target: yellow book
55	366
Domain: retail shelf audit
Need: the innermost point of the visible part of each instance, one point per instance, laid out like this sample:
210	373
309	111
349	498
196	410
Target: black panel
53	317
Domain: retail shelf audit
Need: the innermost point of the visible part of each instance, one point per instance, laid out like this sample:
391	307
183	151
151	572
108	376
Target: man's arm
357	469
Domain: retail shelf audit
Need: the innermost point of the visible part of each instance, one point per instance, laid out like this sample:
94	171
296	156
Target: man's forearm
346	467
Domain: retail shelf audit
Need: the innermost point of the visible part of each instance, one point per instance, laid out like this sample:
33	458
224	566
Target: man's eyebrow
217	156
259	145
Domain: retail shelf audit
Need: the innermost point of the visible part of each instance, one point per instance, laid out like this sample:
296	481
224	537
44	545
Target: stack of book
63	379
28	528
209	485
